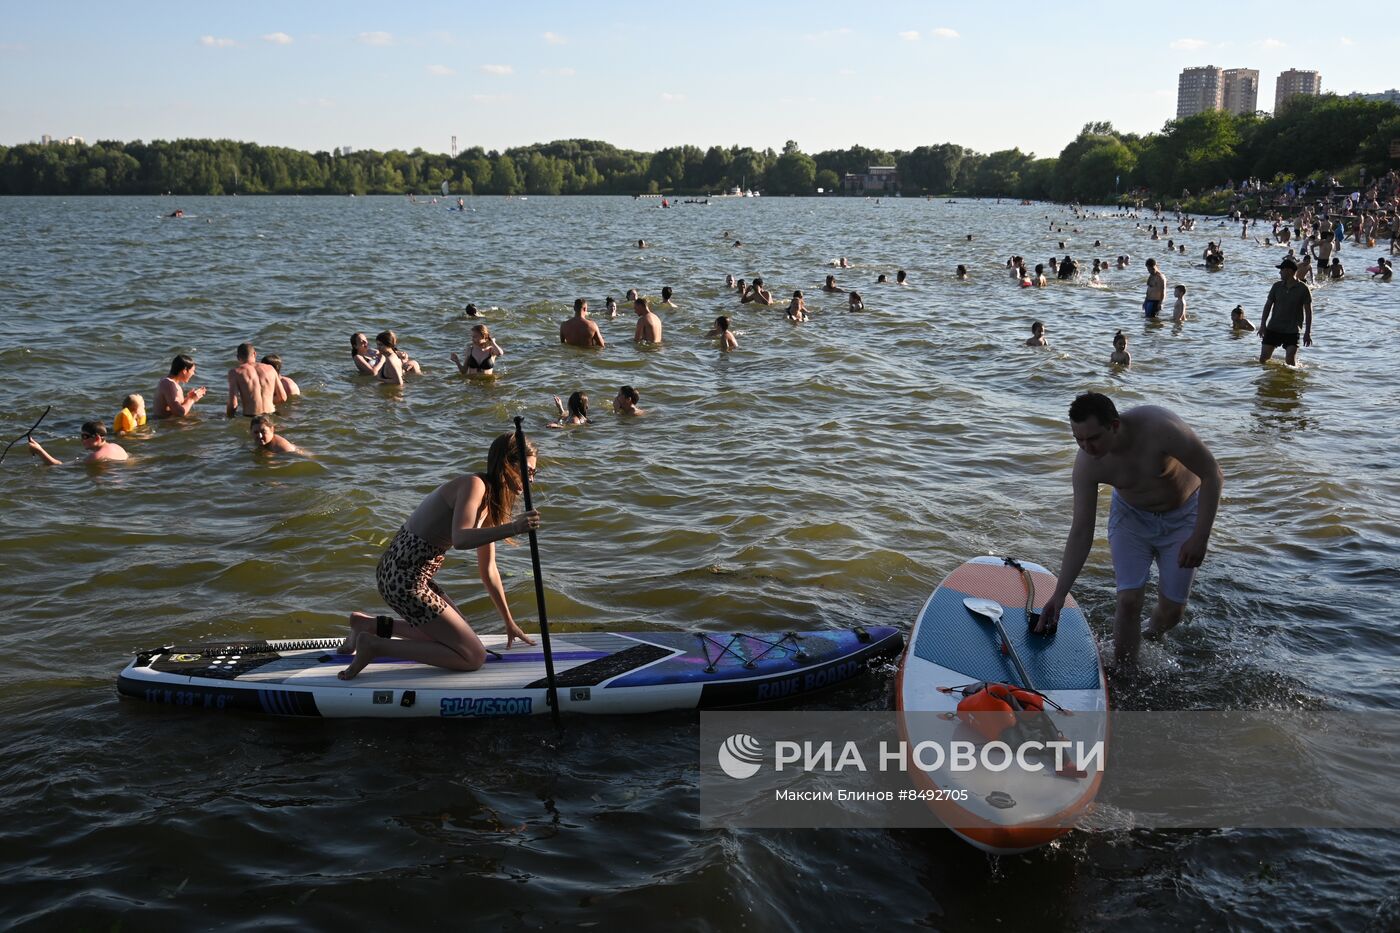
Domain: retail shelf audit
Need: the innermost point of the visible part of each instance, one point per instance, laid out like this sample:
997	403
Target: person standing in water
1166	491
471	512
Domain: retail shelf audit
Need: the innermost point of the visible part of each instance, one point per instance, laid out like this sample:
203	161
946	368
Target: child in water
1238	321
1037	337
854	302
577	412
1121	356
1179	309
797	311
132	415
727	341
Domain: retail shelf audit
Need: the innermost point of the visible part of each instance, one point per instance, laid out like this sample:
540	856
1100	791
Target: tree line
1311	135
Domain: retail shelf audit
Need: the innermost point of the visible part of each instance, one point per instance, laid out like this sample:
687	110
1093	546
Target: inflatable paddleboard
952	647
595	672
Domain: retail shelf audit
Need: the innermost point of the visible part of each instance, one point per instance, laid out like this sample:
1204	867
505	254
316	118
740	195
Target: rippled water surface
825	474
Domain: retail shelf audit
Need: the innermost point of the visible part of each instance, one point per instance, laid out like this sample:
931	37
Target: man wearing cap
1287	312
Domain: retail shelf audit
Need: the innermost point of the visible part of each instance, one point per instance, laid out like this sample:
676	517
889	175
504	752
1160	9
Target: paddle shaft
553	694
1015	660
26	434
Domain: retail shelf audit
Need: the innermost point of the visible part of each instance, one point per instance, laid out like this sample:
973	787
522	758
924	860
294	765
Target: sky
893	75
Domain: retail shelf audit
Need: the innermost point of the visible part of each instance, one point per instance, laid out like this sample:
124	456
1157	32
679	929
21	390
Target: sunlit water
825	474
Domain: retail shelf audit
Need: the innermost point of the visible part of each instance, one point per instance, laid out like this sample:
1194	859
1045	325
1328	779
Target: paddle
25	435
992	612
553	695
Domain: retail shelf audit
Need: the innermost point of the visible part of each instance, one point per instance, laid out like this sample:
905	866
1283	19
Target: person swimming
854	302
481	355
575	414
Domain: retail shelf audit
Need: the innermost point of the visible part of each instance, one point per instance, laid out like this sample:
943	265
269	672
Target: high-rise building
1241	91
1198	89
1293	83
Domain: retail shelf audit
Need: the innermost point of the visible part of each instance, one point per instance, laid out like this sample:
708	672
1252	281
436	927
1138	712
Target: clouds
553	38
498	70
1189	45
216	43
440	71
942	32
375	38
278	38
671	98
1272	44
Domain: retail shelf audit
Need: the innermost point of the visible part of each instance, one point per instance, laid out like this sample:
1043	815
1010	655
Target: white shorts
1138	537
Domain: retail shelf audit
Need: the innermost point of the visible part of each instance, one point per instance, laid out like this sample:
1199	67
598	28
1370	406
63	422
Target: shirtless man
171	400
1156	290
626	402
757	294
648	324
253	385
579	331
265	437
94	437
1166	490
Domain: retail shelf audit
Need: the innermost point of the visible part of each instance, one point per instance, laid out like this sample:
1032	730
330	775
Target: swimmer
132	415
1120	356
844	264
579	331
610	306
901	277
481	355
726	337
881	280
729	282
757	294
626	402
831	285
1037	337
472	311
1238	322
1038	280
393	364
797	310
1179	309
648	328
171	398
641	244
666	294
961	272
364	358
576	414
289	387
94	438
854	302
266	438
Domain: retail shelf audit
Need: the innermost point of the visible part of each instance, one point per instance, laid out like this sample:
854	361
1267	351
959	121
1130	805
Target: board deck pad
599	672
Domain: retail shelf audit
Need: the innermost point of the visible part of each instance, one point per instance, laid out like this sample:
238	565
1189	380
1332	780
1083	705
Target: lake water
826	474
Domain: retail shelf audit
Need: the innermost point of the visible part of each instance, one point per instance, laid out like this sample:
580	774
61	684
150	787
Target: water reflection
1278	397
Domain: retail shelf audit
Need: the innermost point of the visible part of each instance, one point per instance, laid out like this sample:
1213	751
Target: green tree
827	180
793	172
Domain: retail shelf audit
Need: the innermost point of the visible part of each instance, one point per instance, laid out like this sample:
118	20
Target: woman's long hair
502	477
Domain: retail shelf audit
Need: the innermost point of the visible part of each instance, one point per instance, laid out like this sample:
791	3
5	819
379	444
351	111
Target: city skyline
629	74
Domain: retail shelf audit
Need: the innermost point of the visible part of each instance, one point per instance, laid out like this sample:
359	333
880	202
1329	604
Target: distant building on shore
1391	96
876	179
1234	90
1295	83
1199	90
47	140
1240	91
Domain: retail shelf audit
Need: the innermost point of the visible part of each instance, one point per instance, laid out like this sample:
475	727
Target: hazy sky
639	75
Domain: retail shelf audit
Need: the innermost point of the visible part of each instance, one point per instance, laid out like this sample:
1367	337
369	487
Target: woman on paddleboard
471	512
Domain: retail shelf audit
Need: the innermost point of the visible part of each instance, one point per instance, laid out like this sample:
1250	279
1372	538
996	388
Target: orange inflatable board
953	650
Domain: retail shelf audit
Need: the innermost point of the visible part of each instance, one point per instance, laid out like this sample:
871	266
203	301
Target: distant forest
1311	136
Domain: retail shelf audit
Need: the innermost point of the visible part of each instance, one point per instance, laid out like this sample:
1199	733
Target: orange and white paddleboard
950	647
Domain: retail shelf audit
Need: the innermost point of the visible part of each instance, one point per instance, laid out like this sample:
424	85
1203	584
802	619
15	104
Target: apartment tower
1240	93
1197	90
1293	83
